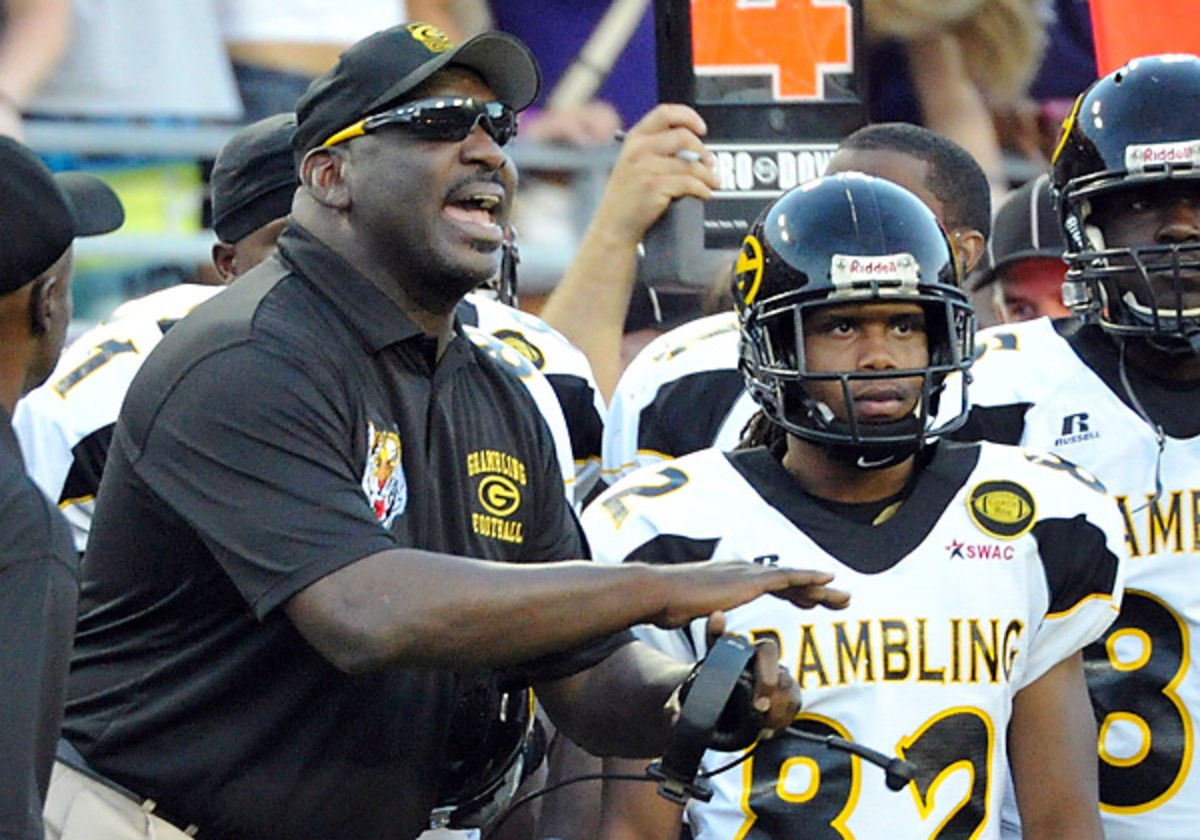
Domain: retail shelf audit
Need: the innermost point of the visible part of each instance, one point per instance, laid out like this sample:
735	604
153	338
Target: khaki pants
79	807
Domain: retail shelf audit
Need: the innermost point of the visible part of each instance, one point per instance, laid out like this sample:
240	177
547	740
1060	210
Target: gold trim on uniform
902	650
1167	522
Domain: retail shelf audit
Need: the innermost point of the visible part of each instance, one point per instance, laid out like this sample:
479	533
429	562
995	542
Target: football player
683	392
65	426
1120	397
978	571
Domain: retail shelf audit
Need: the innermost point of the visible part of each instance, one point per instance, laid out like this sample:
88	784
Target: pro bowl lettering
1003	509
766	171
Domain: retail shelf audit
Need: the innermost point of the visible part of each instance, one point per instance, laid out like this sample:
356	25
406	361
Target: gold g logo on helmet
748	272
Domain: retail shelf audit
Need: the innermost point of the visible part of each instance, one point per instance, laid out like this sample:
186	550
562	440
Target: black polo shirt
292	425
39	588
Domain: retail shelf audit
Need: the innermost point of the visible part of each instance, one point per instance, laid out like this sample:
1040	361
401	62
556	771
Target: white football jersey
681	393
504	354
1144	675
65	425
999	565
566	368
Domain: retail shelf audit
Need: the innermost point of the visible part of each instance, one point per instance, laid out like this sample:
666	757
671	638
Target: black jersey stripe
866	549
89	457
670	549
578	402
1076	561
686	414
996	423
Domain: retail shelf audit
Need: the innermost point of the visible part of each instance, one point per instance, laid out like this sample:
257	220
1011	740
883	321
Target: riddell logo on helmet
873	267
851	270
1161	154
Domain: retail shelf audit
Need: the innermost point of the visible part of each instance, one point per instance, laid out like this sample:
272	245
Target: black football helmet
495	742
1136	128
849	238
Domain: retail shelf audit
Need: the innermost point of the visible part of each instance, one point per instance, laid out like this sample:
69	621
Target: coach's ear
222	256
322	175
970	245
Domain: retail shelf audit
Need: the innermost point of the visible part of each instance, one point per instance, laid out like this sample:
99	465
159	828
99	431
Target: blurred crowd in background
995	75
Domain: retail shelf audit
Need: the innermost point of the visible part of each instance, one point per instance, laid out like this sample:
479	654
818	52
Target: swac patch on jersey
517	341
383	477
1002	509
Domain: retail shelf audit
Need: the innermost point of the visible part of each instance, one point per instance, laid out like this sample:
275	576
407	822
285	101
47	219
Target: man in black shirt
39	569
288	601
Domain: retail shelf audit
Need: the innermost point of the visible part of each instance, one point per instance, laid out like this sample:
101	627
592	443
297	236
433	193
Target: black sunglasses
439	119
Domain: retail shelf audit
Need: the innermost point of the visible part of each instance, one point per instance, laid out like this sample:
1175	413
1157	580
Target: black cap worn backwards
41	213
381	69
254	178
1026	225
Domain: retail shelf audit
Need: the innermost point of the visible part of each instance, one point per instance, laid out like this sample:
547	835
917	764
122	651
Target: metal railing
541	266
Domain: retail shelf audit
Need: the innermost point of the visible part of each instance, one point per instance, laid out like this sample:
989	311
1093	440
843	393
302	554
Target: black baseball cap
254	177
41	213
1026	225
382	68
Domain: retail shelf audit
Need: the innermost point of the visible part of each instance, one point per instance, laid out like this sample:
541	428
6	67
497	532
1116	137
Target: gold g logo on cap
1002	509
499	495
747	273
434	39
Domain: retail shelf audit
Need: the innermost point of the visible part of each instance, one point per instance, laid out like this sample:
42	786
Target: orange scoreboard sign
795	43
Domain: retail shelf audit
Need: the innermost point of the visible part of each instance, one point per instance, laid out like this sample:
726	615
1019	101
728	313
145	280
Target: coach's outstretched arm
396	607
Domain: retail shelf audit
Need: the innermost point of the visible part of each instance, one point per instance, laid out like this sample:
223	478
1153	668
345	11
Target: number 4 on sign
795	42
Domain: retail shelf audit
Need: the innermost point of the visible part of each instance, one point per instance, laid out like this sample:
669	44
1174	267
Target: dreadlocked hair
760	430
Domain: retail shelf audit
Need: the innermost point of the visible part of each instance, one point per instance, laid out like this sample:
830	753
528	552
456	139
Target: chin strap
510	257
1160	436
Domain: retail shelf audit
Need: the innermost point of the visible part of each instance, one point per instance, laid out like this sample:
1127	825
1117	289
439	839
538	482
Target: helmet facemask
779	377
1149	292
1133	135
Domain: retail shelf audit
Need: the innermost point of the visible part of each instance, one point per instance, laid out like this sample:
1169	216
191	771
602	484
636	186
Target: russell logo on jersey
1076	428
